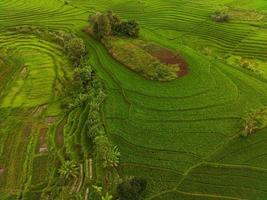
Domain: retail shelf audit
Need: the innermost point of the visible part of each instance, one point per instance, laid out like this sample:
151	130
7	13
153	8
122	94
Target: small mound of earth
168	57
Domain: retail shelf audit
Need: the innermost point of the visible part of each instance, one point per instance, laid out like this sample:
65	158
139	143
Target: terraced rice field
183	136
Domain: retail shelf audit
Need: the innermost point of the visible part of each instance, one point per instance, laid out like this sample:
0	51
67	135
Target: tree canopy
111	24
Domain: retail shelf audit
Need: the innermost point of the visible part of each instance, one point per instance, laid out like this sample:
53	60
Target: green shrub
131	189
220	16
100	25
129	28
75	49
111	24
115	22
254	121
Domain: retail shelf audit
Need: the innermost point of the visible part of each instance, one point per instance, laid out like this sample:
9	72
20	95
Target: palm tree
106	197
69	169
112	159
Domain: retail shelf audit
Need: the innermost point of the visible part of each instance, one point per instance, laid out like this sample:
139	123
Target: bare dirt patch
169	58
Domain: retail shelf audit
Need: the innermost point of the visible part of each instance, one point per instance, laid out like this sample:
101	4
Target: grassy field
182	136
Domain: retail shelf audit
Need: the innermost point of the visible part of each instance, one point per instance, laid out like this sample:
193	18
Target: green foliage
75	49
129	28
100	193
220	16
69	169
78	88
131	189
83	75
115	22
107	197
107	156
101	27
111	24
254	121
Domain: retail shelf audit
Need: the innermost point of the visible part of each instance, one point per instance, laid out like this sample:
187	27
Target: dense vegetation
96	130
119	37
111	25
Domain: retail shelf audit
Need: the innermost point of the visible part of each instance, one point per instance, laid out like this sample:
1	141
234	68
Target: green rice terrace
133	100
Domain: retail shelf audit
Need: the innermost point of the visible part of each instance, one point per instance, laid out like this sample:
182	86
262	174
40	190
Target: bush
254	121
75	49
129	28
83	75
115	22
131	189
100	25
219	16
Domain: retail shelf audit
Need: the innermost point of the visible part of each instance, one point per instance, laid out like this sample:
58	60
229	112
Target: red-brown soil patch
168	57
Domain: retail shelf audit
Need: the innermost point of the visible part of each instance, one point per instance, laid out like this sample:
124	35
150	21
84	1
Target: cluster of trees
104	25
76	92
73	46
75	50
220	16
86	88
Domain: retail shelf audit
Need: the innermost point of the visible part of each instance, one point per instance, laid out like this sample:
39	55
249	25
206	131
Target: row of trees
105	153
86	88
103	25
